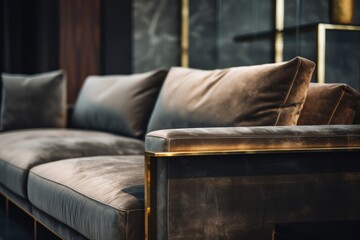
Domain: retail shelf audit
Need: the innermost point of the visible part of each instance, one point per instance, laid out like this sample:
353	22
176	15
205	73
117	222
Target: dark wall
215	23
79	42
116	36
156	34
87	37
29	36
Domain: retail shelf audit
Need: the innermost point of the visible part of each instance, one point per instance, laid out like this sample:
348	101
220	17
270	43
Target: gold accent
279	27
321	54
321	45
247	151
147	195
342	11
273	234
185	33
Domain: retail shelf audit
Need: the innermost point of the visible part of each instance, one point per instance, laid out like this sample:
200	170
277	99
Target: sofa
180	154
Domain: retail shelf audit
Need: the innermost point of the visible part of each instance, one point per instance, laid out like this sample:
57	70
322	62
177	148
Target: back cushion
119	104
269	94
33	101
329	104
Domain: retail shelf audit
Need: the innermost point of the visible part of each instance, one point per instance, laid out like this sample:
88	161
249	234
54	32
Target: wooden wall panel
79	41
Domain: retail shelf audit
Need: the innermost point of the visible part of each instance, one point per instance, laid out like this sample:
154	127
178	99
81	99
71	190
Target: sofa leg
35	230
6	207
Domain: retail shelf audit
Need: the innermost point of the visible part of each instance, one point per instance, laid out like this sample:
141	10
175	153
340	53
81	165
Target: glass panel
343	57
214	24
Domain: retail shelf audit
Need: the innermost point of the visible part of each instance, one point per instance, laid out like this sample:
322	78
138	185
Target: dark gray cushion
22	150
100	197
263	95
33	101
120	104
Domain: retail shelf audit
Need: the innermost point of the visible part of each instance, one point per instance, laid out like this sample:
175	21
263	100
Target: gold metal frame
279	27
321	45
147	195
321	29
185	33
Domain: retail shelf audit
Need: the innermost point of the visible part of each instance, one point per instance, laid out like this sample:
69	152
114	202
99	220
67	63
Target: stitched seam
306	135
288	93
336	107
91	198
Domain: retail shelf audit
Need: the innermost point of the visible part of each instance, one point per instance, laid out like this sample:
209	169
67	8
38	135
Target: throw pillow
33	101
268	94
328	104
120	104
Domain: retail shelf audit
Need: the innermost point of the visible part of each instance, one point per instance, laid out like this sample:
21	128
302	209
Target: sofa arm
240	139
237	183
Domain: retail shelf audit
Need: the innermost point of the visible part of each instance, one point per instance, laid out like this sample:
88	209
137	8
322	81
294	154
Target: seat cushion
262	95
101	197
22	150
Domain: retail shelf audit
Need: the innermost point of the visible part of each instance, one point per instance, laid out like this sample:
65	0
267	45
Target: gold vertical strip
279	27
321	53
185	33
147	196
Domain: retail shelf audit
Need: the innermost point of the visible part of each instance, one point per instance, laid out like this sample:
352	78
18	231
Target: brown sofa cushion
329	104
33	101
269	94
120	104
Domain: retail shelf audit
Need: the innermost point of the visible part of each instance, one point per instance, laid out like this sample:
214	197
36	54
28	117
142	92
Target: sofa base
34	221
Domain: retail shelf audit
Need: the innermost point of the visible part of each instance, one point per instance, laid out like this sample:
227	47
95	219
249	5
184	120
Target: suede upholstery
252	138
243	196
22	150
329	104
20	93
263	95
120	104
104	194
234	181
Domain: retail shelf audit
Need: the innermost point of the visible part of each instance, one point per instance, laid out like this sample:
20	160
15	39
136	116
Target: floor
10	230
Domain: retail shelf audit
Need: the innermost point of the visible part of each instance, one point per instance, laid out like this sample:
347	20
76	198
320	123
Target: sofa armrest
239	139
237	183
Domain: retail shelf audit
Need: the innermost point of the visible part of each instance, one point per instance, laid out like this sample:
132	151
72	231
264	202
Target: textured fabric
269	94
33	101
119	104
253	138
243	196
22	150
100	197
62	230
329	104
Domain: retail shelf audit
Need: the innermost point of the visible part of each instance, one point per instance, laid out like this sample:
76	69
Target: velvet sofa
228	153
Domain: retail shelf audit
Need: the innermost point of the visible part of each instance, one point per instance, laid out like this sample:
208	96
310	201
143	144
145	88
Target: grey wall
215	23
156	34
